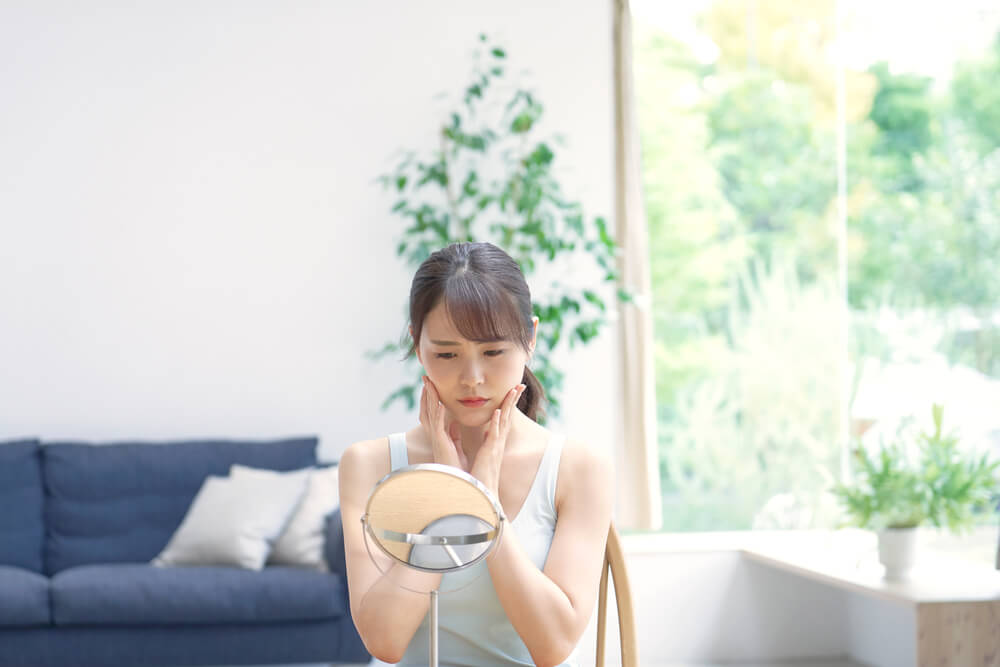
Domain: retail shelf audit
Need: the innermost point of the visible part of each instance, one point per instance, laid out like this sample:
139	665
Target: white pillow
234	521
301	542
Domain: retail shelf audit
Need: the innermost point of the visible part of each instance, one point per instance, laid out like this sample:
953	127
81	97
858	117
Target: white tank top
473	629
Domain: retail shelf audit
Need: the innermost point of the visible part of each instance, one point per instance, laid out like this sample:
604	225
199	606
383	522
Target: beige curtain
639	503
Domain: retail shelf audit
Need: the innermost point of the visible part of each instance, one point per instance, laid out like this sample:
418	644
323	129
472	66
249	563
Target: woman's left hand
486	467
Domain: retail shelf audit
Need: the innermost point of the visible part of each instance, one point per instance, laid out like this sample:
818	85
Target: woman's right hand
442	430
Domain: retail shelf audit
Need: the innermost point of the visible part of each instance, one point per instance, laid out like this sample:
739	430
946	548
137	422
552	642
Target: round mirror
433	518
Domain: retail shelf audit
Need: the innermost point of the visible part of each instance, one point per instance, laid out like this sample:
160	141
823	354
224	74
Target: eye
494	353
445	355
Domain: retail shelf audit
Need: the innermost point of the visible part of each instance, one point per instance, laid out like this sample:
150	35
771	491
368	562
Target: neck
473	436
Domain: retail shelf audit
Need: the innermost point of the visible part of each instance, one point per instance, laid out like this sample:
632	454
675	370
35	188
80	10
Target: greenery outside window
803	303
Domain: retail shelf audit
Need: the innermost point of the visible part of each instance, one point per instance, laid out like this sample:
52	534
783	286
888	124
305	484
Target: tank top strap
548	472
398	458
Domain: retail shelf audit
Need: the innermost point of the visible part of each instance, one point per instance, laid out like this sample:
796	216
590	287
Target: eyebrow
481	342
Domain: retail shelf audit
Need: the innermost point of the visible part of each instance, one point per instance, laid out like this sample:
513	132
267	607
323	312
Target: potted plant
893	492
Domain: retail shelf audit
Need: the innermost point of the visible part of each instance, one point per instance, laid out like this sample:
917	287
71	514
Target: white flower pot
897	551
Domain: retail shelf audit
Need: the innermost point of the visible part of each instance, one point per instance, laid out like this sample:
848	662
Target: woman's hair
486	297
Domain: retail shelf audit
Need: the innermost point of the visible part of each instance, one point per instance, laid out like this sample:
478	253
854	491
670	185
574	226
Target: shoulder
584	469
364	462
363	451
580	456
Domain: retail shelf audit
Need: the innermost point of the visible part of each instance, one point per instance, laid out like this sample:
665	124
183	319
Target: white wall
191	239
705	605
715	606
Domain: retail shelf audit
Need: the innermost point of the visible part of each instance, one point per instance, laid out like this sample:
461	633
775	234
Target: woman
473	331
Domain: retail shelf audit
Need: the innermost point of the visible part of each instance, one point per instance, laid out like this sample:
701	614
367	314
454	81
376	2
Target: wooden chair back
614	563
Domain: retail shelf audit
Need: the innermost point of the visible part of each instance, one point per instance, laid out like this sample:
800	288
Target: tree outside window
758	387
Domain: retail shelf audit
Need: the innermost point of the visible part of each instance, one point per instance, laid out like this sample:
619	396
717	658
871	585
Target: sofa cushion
301	541
118	503
333	544
303	642
24	597
21	503
235	521
139	594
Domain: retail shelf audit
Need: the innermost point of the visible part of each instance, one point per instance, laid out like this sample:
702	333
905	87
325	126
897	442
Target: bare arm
385	614
550	609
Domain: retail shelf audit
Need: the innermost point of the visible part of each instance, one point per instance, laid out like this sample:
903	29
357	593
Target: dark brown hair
486	298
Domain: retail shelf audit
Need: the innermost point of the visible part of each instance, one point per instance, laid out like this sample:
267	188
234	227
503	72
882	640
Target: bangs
482	311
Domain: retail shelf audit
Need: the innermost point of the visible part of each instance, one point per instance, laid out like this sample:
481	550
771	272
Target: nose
471	374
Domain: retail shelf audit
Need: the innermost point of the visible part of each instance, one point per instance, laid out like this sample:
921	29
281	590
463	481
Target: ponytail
533	397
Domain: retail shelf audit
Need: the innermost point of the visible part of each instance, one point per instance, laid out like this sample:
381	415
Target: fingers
430	390
440	423
495	420
433	417
455	433
423	405
429	397
429	406
509	405
518	390
499	425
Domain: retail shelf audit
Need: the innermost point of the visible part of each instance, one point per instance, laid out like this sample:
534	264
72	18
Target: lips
473	402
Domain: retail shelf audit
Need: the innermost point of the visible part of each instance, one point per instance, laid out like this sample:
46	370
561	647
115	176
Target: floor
794	663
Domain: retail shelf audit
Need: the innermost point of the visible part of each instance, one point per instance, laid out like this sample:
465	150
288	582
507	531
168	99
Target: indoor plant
492	178
898	489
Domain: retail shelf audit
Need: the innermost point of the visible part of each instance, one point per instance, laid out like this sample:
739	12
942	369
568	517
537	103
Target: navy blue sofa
79	524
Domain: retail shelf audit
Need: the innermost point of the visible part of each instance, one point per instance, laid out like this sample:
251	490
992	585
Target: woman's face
471	378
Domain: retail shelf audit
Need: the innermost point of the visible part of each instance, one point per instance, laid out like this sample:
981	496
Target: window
804	302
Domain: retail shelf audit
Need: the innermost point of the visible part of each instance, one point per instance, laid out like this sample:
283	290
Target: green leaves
593	298
541	157
902	111
889	494
384	351
406	393
526	112
976	97
435	172
474	141
943	488
927	176
602	229
958	486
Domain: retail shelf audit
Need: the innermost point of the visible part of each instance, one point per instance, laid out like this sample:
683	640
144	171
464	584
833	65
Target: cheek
512	369
437	369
